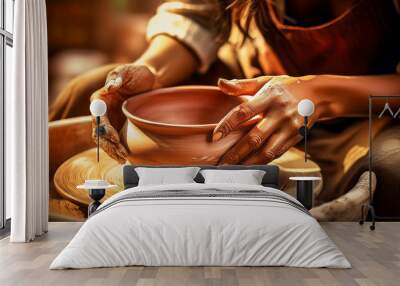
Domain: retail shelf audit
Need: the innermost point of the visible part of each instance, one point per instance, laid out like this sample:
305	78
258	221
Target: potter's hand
275	98
130	79
122	82
109	141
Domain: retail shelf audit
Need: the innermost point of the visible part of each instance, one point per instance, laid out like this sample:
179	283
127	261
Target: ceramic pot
174	125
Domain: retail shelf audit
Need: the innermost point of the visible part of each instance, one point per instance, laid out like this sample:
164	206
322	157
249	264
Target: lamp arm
100	130
98	137
305	137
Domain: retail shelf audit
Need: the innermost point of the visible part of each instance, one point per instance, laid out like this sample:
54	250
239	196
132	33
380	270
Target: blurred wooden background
86	34
83	35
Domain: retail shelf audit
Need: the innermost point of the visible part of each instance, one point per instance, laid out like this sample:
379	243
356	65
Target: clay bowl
174	125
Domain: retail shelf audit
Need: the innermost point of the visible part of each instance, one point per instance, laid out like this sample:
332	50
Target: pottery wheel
84	166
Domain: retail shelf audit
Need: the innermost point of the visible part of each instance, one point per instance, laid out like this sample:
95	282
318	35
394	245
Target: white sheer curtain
26	124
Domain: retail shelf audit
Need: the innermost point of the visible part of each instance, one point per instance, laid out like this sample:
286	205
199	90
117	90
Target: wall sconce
305	108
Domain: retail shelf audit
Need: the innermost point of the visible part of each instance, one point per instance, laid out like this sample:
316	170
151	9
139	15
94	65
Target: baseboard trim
5	231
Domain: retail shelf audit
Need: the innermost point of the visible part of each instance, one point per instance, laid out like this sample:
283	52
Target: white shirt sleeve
191	24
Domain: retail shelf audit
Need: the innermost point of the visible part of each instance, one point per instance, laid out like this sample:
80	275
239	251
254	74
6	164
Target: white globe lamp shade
98	107
305	107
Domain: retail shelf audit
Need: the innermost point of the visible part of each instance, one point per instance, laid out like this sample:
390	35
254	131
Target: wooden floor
375	257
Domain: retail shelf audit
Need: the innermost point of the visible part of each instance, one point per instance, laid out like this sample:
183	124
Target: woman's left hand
275	99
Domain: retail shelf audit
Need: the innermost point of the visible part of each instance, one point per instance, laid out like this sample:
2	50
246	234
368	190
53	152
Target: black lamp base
96	195
305	193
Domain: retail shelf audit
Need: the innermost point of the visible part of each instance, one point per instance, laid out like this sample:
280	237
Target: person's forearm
347	96
171	61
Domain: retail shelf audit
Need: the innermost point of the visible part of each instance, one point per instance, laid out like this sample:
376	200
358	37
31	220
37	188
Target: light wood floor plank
375	257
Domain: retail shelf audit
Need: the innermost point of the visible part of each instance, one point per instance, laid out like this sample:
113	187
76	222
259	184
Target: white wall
8	86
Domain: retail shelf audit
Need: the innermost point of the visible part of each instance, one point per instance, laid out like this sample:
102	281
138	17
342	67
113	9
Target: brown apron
363	40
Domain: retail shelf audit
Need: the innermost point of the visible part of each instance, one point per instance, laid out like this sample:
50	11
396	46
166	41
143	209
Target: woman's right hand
122	82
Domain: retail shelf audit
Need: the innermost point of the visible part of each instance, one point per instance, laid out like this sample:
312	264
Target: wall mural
89	41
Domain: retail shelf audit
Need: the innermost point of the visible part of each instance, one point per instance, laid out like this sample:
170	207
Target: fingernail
118	81
109	84
217	136
223	80
229	82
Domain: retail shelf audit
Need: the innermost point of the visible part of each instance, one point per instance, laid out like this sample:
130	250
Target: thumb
242	86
